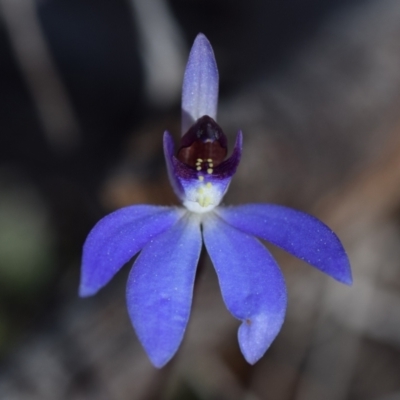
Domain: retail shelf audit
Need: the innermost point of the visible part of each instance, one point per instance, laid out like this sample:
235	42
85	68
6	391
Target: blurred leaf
26	240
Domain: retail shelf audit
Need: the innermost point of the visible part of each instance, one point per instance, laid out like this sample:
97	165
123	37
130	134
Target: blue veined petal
298	233
200	84
116	238
252	285
200	192
160	288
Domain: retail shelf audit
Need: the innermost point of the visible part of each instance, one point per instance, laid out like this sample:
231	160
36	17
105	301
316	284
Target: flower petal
116	238
252	285
298	233
200	84
169	154
200	192
160	288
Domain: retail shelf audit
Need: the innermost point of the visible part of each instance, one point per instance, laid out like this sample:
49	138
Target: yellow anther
206	201
209	171
209	160
201	178
209	184
198	168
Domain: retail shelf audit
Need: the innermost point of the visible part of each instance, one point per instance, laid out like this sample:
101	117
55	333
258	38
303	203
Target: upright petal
160	288
200	84
252	285
298	233
116	238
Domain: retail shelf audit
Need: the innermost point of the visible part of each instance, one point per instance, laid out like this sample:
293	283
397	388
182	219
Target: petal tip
85	291
159	362
251	348
239	140
169	146
201	42
341	269
257	334
347	279
167	135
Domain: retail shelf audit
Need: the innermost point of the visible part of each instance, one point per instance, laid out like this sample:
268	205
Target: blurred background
87	89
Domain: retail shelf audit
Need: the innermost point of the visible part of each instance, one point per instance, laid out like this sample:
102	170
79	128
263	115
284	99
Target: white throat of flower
202	197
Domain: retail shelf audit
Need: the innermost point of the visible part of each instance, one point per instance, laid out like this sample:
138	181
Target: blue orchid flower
169	239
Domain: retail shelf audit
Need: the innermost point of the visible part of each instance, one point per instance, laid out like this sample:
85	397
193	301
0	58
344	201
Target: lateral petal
252	285
169	154
116	238
160	288
300	234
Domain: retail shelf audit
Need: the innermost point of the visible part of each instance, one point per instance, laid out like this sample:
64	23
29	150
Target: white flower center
202	197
